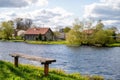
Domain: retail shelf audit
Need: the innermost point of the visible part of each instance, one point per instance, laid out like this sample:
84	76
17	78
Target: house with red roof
43	34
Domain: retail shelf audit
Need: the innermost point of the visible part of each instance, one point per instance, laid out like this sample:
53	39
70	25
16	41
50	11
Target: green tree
99	25
111	36
0	31
7	30
103	37
117	38
0	34
74	35
73	38
67	29
113	30
100	37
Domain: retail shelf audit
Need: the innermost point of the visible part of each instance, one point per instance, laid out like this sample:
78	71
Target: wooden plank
34	58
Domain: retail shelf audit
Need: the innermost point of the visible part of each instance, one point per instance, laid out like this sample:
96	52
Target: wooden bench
45	61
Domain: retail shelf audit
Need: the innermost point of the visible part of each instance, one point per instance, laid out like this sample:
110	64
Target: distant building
44	34
89	31
60	36
61	30
21	33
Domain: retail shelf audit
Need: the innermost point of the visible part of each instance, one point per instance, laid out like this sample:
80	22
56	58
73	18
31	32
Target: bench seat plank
34	58
45	61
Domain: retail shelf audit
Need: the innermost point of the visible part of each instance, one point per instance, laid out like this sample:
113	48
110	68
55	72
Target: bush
18	37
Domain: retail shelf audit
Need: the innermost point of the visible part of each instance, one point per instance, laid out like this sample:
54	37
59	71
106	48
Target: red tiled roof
37	30
89	31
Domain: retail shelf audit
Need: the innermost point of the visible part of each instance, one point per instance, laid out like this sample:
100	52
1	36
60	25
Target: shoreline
117	44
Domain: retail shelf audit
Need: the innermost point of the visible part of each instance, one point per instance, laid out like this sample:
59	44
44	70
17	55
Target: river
86	60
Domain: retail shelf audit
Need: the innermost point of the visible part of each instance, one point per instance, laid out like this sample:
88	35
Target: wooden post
16	61
46	69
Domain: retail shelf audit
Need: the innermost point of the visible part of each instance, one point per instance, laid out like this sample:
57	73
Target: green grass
114	45
46	42
29	72
37	42
12	40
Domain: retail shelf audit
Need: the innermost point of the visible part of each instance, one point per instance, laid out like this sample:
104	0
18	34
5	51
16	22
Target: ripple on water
86	60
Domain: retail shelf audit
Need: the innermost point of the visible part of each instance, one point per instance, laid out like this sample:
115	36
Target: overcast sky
61	12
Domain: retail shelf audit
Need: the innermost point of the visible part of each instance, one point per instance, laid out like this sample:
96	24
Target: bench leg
16	61
46	69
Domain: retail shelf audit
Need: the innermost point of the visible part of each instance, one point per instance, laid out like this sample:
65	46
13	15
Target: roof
89	31
37	31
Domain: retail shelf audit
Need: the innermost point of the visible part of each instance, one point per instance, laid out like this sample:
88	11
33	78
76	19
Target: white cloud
22	3
41	2
34	9
49	17
106	10
52	17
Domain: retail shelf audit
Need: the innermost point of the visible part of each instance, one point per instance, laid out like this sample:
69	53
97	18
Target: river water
86	60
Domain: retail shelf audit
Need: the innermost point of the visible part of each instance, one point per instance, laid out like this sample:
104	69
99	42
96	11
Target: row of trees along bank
76	36
97	35
8	29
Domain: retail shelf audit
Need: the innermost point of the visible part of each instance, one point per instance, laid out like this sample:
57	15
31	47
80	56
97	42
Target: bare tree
23	24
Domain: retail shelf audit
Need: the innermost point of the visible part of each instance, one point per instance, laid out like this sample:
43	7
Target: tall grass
29	72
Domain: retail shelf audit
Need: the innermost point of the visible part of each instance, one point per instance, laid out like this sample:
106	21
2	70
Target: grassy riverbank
63	42
46	42
37	42
12	40
29	72
113	45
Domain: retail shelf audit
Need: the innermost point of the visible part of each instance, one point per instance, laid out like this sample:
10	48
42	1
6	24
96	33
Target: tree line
75	36
97	35
8	29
